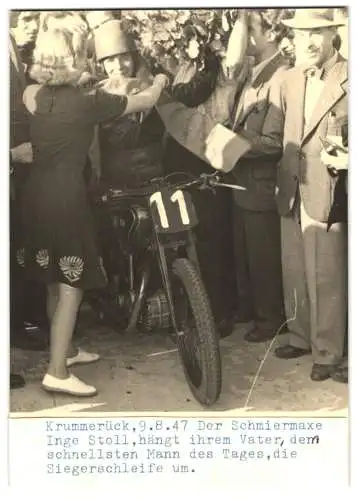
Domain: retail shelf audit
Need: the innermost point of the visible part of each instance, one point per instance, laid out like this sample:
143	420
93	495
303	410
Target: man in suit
338	161
28	299
20	147
309	104
25	25
256	221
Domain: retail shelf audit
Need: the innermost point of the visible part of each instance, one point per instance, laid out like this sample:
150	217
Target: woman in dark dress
59	246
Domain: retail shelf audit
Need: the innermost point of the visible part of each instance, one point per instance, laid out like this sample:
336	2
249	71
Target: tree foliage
171	37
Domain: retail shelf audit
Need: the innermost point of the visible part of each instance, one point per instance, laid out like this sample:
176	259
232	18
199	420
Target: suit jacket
257	175
300	166
19	126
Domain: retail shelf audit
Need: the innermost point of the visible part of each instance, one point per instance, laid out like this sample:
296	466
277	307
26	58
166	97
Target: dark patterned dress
59	238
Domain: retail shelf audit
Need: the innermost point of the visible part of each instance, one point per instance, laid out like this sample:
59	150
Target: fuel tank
132	226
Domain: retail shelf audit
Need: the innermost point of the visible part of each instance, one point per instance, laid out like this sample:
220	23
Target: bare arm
147	98
118	100
237	46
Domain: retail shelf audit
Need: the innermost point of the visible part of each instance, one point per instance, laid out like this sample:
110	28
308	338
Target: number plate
172	211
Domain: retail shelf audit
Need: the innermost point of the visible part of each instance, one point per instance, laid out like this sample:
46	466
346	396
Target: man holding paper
314	244
256	221
308	106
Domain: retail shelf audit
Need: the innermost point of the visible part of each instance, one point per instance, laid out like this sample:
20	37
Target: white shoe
71	385
82	358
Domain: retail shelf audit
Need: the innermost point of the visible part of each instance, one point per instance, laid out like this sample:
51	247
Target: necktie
244	80
314	72
314	87
240	99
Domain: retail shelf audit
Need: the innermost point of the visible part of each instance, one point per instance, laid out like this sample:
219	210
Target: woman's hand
161	80
147	99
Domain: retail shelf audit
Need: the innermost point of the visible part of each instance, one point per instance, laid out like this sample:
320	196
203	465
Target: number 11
178	197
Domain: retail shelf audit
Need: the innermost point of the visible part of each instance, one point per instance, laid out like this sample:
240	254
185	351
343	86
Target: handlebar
204	181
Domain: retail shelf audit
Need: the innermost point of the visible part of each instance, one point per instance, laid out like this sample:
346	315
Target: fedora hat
313	18
341	15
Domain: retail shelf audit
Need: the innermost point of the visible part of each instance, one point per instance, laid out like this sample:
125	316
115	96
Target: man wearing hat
341	15
312	103
308	105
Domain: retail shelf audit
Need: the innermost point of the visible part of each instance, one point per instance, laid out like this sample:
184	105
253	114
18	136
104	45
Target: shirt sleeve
270	141
201	86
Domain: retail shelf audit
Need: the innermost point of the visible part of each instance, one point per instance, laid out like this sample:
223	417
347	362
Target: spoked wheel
198	342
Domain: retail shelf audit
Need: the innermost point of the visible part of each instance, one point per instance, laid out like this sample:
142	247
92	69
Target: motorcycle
154	280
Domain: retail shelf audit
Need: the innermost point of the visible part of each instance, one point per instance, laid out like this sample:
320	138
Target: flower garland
168	38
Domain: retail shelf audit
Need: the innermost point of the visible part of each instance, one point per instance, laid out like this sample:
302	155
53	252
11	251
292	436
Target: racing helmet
111	39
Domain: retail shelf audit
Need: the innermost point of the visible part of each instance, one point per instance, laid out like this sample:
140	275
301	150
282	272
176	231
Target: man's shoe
290	352
341	374
322	372
29	343
30	337
16	381
259	335
243	318
225	327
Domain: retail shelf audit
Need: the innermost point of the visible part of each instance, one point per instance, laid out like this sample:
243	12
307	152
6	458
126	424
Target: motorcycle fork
163	265
139	298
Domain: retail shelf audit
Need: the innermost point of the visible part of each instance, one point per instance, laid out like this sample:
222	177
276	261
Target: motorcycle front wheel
198	342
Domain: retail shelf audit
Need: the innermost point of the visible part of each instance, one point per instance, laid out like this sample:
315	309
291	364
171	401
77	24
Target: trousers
315	281
258	267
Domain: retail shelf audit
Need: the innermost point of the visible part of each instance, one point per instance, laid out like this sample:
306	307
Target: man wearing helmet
130	146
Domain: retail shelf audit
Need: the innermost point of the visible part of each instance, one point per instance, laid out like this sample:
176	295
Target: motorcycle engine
155	314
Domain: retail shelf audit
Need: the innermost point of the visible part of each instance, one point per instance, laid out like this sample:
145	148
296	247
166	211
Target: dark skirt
58	243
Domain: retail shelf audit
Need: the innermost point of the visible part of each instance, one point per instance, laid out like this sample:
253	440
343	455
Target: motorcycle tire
201	361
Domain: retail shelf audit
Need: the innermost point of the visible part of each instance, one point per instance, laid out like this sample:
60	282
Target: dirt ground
143	373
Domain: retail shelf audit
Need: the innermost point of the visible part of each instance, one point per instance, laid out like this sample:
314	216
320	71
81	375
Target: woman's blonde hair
60	54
